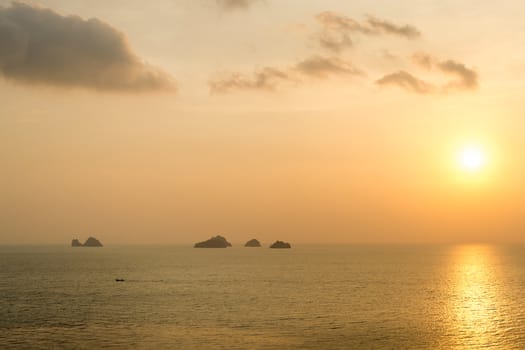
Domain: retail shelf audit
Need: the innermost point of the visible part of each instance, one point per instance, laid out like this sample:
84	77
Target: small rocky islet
253	243
90	242
280	245
214	242
221	242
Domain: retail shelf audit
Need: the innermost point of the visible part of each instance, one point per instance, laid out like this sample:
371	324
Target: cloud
268	78
406	31
423	60
335	35
323	67
334	42
263	79
466	78
235	4
333	21
336	30
407	81
40	46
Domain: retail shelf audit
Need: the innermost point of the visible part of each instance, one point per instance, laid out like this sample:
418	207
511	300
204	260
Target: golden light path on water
477	310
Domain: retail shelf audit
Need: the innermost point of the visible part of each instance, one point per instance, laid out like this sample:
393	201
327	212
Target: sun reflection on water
477	321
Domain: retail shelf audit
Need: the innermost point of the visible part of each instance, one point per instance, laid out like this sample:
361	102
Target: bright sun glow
472	158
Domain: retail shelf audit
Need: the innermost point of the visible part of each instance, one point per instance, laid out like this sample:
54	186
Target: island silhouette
90	242
253	243
280	245
214	242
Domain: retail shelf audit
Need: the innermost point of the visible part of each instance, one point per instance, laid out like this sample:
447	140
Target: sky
307	121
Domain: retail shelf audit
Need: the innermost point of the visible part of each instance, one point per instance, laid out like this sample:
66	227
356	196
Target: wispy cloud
335	34
465	78
333	21
268	78
236	4
335	42
40	46
424	60
407	31
407	81
323	67
336	30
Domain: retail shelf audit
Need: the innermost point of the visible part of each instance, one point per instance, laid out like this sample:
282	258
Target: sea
307	297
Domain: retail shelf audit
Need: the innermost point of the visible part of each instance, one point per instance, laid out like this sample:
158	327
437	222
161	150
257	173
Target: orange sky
307	121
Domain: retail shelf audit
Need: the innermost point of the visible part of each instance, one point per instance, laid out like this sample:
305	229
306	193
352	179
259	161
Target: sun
472	158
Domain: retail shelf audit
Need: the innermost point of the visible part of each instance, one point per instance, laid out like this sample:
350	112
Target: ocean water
309	297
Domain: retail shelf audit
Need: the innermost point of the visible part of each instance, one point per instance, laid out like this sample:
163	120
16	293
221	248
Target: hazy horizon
313	122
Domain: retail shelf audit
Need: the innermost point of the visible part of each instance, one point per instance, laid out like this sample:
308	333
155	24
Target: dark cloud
40	46
268	78
336	30
407	81
406	31
235	4
466	79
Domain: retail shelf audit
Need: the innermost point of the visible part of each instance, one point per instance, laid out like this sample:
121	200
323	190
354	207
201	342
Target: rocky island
280	245
90	242
214	242
253	243
76	243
